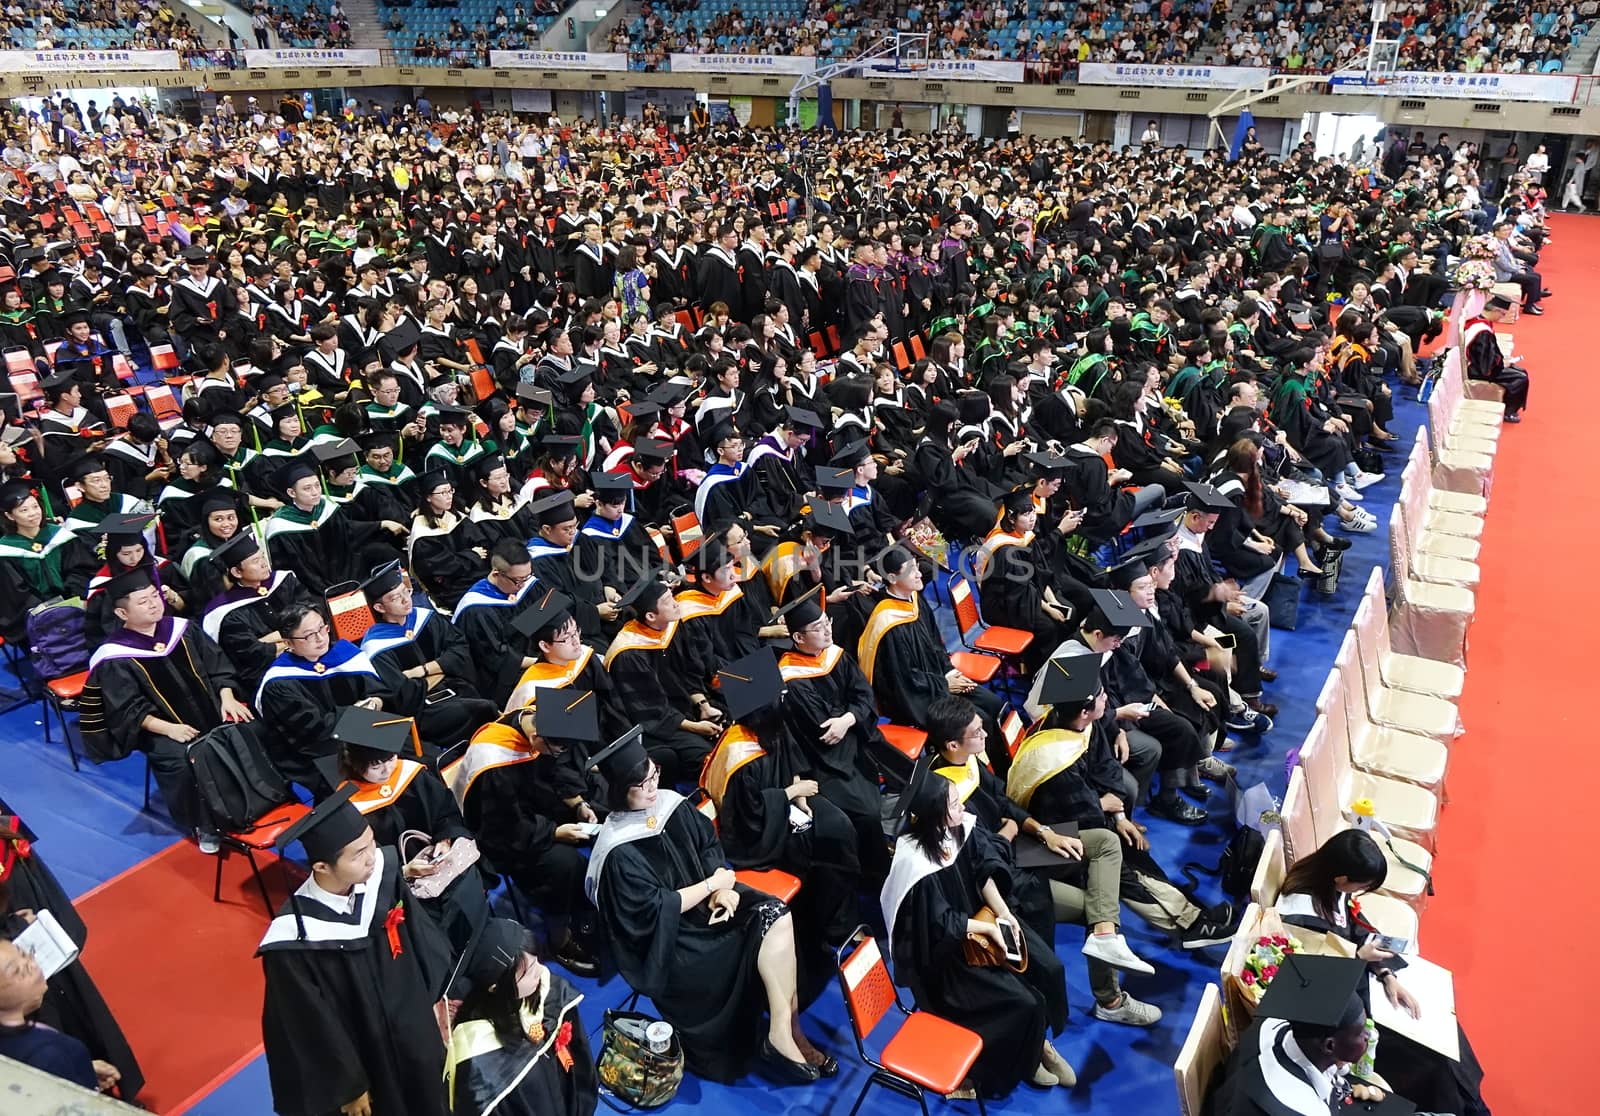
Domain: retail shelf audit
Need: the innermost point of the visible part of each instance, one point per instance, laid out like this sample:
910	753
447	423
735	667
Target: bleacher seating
96	25
429	32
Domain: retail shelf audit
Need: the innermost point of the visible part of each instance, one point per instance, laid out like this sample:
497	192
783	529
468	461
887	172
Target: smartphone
588	829
798	819
719	914
1227	640
1013	945
437	696
1151	707
1390	943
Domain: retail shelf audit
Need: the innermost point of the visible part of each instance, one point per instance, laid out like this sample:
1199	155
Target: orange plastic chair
918	349
905	739
474	353
261	838
994	640
163	402
120	408
347	607
925	1054
1012	730
686	526
981	668
19	360
482	383
774	881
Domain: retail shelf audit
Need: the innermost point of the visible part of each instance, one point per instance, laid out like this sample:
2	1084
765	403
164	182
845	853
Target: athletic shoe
1367	480
1348	492
1135	1013
1214	769
210	843
1056	1065
1245	719
1113	950
1204	932
1361	524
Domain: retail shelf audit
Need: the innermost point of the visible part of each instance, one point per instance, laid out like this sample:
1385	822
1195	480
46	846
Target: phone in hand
1012	940
719	914
1226	640
1390	943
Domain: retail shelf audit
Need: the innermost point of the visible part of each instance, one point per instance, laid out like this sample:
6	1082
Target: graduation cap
13	493
59	380
130	582
431	479
851	456
385	579
1047	464
1018	501
713	554
295	472
654	449
542	611
530	396
1070	678
86	465
236	550
804	610
374	729
121	525
402	338
643	595
562	445
668	394
797	418
488	463
1203	497
611	488
836	481
196	253
565	714
719	429
575	379
892	559
1497	302
618	760
642	411
329	452
455	416
829	519
1161	517
1315	990
215	499
491	955
327	830
920	771
750	684
553	509
1114	613
75	317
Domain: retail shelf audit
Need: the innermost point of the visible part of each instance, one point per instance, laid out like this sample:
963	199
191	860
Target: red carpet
181	976
1516	865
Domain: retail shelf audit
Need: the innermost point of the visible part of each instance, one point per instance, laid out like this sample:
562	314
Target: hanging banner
66	61
1557	88
557	60
293	56
971	69
1172	77
743	64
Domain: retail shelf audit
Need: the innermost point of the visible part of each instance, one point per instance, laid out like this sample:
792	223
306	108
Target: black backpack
1236	869
237	780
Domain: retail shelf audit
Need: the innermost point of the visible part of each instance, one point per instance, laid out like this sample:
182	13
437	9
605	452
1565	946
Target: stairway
366	24
1581	58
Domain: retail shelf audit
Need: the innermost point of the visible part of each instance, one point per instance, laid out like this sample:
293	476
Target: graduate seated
518	1044
711	953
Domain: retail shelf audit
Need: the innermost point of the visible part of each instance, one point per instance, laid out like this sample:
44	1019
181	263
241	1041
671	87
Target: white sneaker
1367	480
1361	524
1349	493
1135	1013
210	843
1053	1063
1113	950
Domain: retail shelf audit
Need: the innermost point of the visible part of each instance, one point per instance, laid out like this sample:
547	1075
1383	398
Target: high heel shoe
784	1071
828	1067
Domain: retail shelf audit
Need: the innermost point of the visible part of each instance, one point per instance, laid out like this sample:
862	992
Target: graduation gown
903	659
1485	361
485	1073
132	677
483	617
428	637
301	701
442	558
324	547
31	572
654	673
237	619
1263	1079
414	798
72	1003
927	905
702	978
731	621
618	552
347	1013
554	567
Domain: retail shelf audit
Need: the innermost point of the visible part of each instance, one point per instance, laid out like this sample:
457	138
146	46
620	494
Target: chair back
25	385
483	384
1204	1051
865	985
1299	831
1012	729
1399	550
1318	756
19	360
347	609
163	403
120	408
1374	635
1270	870
686	525
966	605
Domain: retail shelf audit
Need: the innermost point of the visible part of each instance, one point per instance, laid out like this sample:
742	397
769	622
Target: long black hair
925	824
498	1000
1352	854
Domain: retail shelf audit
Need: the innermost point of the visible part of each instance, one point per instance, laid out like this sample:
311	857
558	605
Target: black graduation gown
444	562
702	978
395	650
617	555
734	632
497	648
909	674
653	686
122	692
964	501
72	1003
301	709
1485	361
1011	1011
426	805
555	568
346	1015
1014	581
519	1078
324	549
238	618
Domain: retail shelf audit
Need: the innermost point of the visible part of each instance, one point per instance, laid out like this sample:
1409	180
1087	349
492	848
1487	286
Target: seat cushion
979	668
905	739
1003	641
933	1052
775	882
271	826
68	688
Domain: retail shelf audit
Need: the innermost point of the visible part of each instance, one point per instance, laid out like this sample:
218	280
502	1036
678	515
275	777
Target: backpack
1236	869
238	783
57	644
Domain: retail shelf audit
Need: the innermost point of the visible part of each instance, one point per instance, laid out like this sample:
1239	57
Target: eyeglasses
569	635
523	580
312	634
652	779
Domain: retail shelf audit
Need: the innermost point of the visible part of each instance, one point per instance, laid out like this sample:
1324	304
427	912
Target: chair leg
255	870
147	778
66	734
982	1111
863	1095
216	887
922	1099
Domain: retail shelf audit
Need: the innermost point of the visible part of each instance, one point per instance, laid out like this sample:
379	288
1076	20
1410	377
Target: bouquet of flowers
1263	961
1475	272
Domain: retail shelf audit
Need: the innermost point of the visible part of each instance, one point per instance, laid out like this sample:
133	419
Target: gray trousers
1096	901
1144	753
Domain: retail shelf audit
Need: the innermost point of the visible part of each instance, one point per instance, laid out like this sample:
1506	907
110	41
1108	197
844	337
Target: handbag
1332	564
1283	602
630	1069
981	951
463	854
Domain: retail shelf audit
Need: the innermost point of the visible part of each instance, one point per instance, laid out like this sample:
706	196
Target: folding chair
1402	709
925	1054
1204	1050
1402	672
25	385
773	881
483	385
120	408
19	360
1419	468
348	610
242	744
686	528
1012	730
1377	749
164	405
163	358
1006	644
905	740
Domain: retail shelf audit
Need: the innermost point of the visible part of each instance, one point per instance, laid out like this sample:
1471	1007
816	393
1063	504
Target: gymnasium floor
178	969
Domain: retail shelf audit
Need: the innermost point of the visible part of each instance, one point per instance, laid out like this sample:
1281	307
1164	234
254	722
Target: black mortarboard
618	760
400	339
530	396
385	579
1151	551
542	609
668	394
835	480
59	380
1497	302
751	683
196	253
1018	500
919	776
719	429
85	465
1203	497
130	582
611	488
1114	613
1160	517
713	554
851	456
804	610
1046	464
1315	990
892	559
799	417
643	594
1070	678
374	729
488	463
217	498
378	439
554	509
236	550
455	416
654	449
123	525
491	956
326	831
642	411
566	714
331	451
562	445
13	493
431	479
294	472
1123	575
76	317
830	518
575	378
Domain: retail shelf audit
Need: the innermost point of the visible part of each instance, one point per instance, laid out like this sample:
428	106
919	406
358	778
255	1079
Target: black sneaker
577	959
1246	719
1204	932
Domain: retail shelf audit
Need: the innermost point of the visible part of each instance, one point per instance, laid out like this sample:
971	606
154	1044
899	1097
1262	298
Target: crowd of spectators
98	25
473	29
315	27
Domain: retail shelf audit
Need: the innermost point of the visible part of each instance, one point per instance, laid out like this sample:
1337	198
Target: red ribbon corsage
391	923
564	1040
